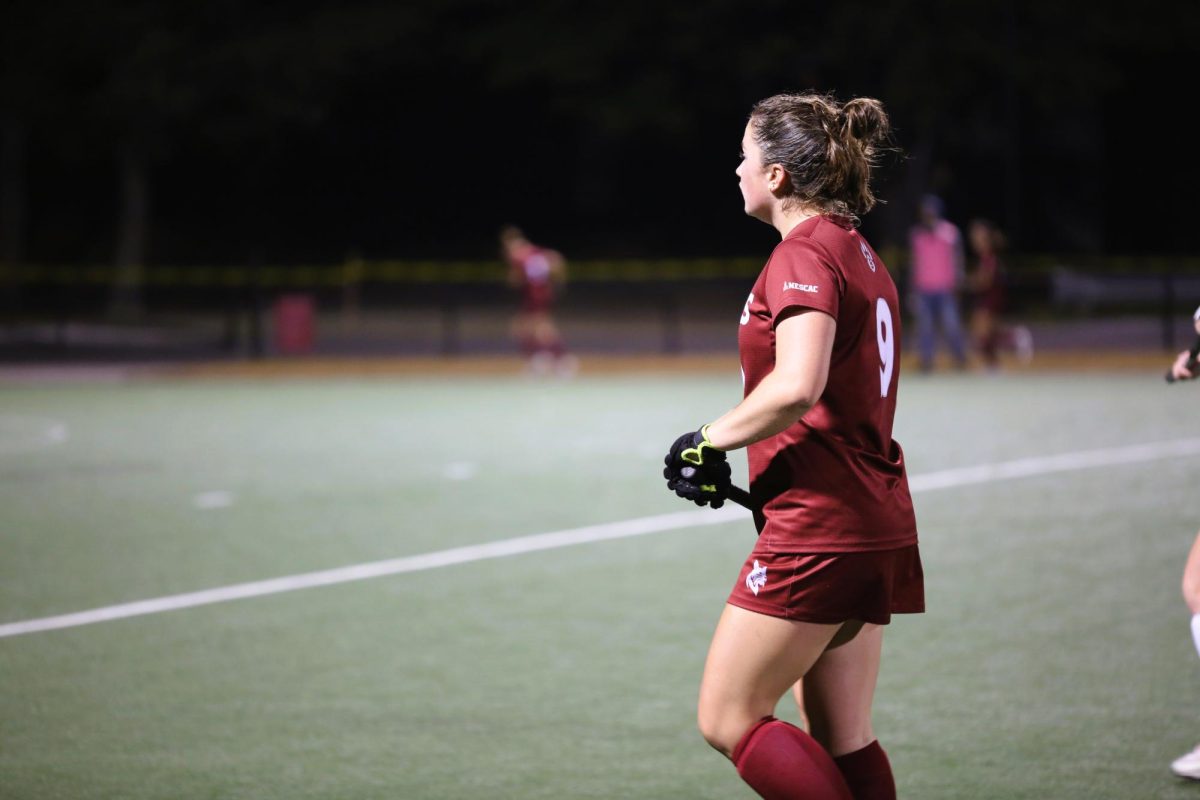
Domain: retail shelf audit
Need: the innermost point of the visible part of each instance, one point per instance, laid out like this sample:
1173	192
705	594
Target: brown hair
827	147
510	233
995	236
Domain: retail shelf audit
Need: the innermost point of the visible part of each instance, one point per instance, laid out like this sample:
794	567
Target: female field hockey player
988	288
1184	369
837	549
539	273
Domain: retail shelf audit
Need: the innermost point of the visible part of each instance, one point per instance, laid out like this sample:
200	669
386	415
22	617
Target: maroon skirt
830	588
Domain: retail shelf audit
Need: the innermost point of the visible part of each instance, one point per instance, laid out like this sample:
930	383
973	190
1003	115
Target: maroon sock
782	762
868	773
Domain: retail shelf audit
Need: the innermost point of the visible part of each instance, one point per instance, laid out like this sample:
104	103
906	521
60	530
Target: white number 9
746	311
887	344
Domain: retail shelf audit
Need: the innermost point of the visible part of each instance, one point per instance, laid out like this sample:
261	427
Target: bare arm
1179	370
803	346
558	266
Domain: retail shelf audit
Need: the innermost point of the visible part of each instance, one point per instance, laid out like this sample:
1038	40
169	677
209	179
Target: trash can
294	323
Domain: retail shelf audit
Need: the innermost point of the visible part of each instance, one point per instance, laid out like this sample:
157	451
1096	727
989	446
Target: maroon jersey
534	271
991	289
834	481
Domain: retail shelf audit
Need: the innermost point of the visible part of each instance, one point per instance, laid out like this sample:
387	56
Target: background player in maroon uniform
988	284
537	272
837	548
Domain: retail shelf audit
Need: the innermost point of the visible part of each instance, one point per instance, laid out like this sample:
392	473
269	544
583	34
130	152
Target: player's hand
1181	370
697	471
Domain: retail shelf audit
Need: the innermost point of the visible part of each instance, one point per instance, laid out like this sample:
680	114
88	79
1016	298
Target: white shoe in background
1023	343
540	364
1187	765
567	366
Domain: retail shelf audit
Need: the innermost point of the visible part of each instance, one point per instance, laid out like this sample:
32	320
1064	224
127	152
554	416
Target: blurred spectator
937	260
988	285
537	272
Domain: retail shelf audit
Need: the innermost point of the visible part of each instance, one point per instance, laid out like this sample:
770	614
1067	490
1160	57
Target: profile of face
753	178
983	237
512	239
980	237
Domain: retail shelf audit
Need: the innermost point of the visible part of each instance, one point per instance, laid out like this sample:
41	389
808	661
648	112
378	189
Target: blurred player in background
837	549
1184	368
988	284
538	273
938	263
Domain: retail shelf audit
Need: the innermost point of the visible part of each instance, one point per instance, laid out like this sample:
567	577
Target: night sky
605	130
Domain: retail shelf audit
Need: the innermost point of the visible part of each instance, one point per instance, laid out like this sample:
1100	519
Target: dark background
305	132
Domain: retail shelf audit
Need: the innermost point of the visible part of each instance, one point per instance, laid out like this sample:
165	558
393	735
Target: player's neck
786	220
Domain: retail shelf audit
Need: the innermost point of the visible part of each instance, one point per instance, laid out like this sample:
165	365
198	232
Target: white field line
944	479
21	434
376	569
1043	465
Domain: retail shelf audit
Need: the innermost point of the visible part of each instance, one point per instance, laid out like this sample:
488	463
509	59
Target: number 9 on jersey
887	344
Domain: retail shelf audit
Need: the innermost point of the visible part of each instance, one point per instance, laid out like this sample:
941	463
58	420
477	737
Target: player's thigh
752	661
839	690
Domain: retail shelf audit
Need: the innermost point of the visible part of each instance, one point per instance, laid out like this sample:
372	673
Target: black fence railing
454	308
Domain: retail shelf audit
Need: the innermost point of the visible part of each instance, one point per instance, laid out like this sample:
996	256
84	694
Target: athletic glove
697	471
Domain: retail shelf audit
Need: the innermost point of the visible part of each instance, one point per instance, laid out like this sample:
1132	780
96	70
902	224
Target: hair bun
864	118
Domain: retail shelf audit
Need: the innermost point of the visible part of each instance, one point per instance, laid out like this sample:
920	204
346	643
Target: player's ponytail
865	121
864	128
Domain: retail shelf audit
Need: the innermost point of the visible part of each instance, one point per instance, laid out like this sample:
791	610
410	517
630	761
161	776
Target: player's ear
776	177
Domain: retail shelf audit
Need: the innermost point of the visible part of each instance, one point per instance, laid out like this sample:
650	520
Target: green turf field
1055	660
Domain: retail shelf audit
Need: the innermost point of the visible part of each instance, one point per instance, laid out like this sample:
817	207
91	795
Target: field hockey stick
740	496
1191	364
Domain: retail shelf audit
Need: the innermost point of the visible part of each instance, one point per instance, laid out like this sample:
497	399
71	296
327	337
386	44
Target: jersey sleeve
801	275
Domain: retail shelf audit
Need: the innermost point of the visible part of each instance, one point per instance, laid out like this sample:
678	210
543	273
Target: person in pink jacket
937	269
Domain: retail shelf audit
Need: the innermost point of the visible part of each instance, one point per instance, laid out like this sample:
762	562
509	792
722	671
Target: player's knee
840	730
721	729
1191	591
711	729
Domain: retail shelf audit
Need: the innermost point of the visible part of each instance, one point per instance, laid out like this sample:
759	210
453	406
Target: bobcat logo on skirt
757	578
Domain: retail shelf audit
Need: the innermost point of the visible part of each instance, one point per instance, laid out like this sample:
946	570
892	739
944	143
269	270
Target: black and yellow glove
697	471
